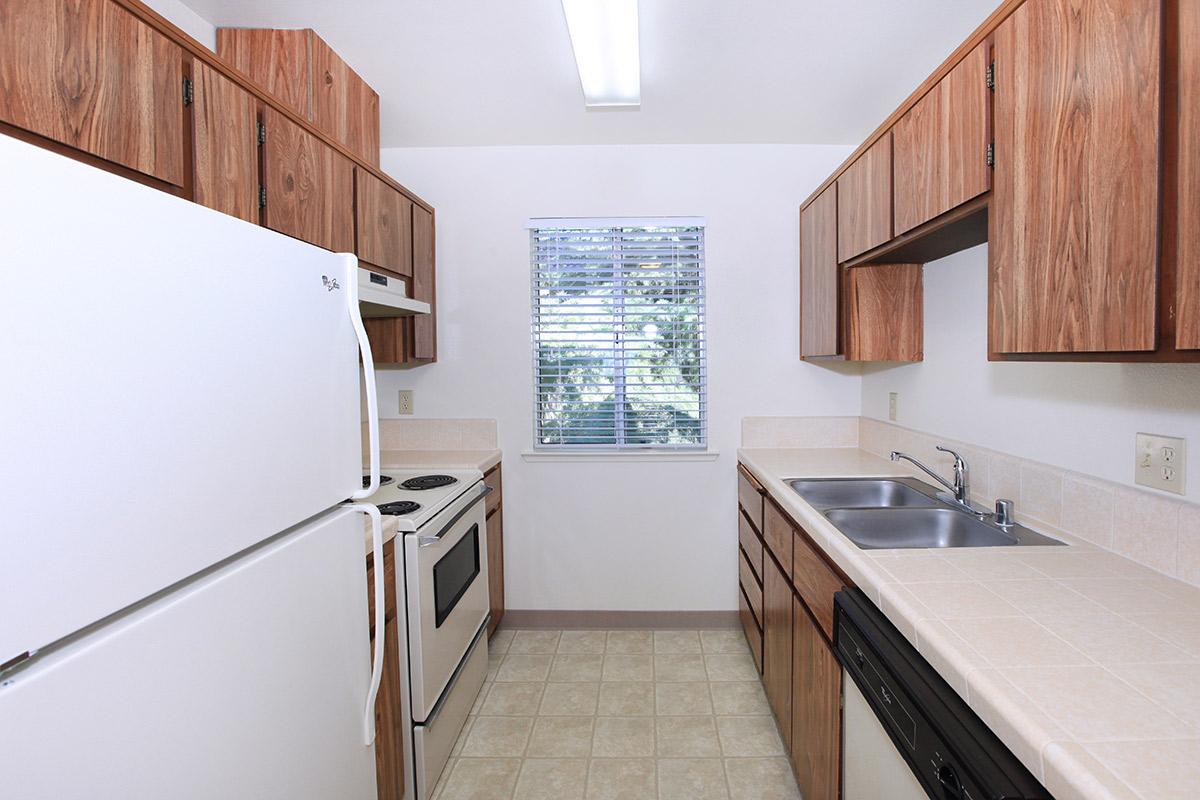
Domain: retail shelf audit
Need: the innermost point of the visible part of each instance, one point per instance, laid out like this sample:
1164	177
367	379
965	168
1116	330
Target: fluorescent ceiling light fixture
604	35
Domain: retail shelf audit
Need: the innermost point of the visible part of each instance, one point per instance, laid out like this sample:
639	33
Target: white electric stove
429	490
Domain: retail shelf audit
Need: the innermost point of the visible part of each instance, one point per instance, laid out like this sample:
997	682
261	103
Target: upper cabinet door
384	224
864	201
941	145
1187	321
310	187
344	106
1074	217
277	60
90	75
424	339
819	276
224	144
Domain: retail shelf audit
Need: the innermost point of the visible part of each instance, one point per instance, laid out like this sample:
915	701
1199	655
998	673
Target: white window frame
618	451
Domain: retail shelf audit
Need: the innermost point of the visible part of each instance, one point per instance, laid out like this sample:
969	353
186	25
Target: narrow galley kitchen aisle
672	715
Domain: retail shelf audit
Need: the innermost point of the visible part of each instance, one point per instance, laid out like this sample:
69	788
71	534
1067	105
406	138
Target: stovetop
411	507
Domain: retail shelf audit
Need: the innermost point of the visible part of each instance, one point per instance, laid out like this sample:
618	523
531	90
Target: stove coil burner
384	480
399	508
422	482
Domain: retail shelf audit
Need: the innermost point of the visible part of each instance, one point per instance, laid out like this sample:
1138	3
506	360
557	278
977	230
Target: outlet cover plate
1161	463
893	397
406	401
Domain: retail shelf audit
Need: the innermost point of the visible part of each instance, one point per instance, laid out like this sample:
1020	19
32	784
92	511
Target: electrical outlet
1161	463
406	401
892	397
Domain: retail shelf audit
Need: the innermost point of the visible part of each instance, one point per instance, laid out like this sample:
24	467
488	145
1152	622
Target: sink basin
863	493
889	528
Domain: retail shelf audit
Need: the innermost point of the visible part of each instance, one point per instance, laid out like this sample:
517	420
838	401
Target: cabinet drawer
778	534
751	544
815	582
492	479
751	586
751	499
752	631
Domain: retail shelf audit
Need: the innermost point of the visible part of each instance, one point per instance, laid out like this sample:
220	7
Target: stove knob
951	786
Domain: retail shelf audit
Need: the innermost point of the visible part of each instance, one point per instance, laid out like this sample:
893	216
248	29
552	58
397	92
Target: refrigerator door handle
380	616
368	362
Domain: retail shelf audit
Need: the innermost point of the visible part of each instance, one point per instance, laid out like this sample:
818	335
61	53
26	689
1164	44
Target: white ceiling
501	72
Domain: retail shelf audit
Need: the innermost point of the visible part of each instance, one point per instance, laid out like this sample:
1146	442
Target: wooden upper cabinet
277	60
816	711
343	105
90	75
864	201
224	144
940	145
1187	261
819	276
885	312
384	224
1074	219
309	186
424	334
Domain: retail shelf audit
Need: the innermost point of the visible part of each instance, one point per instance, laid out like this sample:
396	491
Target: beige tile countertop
1086	664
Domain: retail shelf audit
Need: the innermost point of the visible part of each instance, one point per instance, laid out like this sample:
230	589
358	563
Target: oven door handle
429	540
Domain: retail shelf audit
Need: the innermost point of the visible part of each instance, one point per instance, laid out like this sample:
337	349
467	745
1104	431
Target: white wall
1077	416
189	21
644	536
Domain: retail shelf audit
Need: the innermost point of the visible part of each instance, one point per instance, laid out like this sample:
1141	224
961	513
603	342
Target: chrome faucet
959	492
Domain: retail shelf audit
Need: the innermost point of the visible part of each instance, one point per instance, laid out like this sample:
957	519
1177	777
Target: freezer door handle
380	621
350	262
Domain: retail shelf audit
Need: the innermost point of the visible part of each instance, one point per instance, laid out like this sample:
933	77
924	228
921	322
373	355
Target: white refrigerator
183	594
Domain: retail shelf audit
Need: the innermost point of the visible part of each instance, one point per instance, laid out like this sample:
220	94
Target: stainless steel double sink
898	513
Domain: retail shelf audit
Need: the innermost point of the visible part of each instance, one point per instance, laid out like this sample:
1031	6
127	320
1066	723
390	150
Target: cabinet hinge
991	76
262	133
991	154
189	93
262	197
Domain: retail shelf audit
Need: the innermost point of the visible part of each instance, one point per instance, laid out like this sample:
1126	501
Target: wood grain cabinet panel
815	582
777	646
92	76
1187	277
384	224
495	556
750	498
390	722
224	144
940	145
1074	217
424	326
310	186
754	636
343	105
750	585
777	535
277	60
816	711
864	201
819	276
885	312
750	544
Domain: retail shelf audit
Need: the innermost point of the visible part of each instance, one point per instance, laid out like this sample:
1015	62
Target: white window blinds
618	333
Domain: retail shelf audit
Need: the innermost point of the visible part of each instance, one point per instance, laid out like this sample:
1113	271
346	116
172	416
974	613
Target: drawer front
815	582
492	479
751	500
750	586
751	545
752	631
778	534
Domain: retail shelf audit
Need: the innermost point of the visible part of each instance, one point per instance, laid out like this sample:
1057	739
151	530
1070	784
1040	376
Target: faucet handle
1004	512
957	457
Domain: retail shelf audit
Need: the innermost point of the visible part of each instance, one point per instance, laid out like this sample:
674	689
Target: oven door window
453	574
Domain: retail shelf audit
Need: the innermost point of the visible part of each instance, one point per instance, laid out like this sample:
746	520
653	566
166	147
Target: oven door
446	586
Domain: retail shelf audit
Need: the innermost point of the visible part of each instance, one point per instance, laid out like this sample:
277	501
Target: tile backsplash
435	434
1157	531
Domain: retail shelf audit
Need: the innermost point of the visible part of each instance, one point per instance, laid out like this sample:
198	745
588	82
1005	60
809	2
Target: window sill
618	456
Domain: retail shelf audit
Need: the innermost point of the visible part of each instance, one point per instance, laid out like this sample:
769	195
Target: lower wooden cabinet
495	548
816	710
777	646
389	714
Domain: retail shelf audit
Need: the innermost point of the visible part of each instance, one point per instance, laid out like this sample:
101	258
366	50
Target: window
618	333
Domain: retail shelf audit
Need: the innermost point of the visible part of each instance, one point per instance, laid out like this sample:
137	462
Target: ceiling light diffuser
604	35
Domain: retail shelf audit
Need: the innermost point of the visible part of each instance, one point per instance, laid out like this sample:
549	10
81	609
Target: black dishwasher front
950	751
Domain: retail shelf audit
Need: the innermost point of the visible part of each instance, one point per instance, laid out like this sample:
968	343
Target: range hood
381	295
